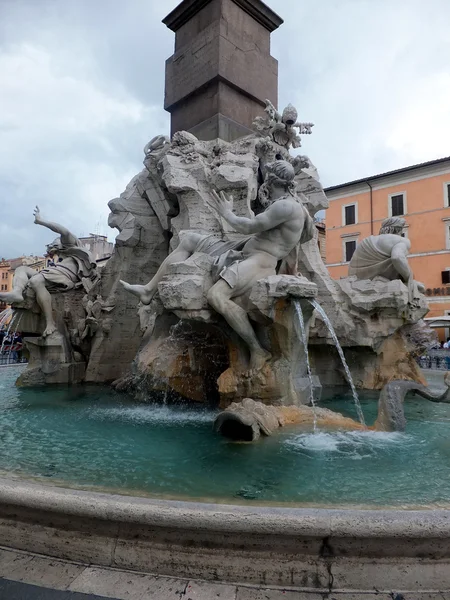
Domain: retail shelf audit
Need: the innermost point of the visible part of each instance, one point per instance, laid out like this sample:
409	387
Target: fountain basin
320	549
73	437
90	437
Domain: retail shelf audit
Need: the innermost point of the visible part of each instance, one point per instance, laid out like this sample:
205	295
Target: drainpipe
371	208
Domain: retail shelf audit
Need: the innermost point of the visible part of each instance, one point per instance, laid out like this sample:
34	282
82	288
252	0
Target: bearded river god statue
75	265
270	238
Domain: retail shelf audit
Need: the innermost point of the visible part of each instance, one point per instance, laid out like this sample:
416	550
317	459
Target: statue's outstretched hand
221	202
37	215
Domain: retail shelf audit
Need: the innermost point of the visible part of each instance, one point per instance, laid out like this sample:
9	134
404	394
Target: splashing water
11	323
330	327
354	445
13	334
5	315
301	322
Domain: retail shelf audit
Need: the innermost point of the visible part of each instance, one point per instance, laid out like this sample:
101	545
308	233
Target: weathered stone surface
391	415
140	248
186	284
381	293
178	357
266	291
54	359
248	420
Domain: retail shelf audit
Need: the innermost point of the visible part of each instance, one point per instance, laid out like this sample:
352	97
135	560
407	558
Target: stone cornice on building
189	8
411	173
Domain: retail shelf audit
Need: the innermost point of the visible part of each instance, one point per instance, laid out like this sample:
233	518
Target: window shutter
350	215
350	248
397	207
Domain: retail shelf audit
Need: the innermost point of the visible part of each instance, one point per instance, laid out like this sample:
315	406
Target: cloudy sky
82	83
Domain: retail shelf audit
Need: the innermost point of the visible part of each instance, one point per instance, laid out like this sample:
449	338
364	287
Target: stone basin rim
223	518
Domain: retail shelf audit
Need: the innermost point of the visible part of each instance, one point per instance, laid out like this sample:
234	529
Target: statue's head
54	247
290	115
280	180
393	225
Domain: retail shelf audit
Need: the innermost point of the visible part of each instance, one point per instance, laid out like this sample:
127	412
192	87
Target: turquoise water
91	437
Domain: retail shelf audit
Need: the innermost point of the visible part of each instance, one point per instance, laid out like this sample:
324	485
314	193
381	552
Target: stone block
122	585
45	572
10	560
201	590
65	537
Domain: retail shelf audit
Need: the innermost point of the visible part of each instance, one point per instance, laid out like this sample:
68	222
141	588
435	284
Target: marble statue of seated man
271	237
75	264
386	255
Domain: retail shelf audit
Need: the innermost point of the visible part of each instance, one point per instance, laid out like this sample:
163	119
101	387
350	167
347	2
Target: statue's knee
36	281
190	241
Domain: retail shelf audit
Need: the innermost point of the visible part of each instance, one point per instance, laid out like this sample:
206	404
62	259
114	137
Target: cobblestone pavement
26	576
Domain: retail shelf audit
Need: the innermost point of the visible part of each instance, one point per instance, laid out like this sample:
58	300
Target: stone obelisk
221	71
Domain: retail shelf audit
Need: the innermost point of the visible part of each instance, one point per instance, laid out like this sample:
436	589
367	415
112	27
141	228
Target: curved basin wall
308	548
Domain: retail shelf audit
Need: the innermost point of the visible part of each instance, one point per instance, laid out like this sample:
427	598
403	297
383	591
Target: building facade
6	277
98	246
421	195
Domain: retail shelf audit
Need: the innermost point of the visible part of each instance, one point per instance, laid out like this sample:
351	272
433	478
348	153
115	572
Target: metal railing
435	359
12	355
9	360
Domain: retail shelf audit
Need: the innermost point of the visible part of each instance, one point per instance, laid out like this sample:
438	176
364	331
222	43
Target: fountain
216	314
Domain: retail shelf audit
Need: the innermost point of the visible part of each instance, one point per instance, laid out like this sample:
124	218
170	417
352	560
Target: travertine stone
39	570
310	549
128	586
10	560
248	420
381	293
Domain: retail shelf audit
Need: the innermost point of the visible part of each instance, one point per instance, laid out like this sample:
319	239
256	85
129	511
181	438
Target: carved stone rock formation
248	420
200	357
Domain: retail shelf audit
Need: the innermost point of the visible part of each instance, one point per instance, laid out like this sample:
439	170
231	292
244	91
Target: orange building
421	195
6	278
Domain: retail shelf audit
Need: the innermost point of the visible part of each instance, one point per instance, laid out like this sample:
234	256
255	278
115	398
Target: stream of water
303	337
330	327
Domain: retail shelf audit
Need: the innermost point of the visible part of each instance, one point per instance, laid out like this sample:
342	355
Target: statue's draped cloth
61	278
368	261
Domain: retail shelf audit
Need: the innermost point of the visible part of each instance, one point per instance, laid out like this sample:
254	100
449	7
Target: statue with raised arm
75	265
268	239
386	255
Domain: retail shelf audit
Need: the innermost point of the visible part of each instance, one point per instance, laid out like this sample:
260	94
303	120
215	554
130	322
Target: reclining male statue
271	237
75	265
386	255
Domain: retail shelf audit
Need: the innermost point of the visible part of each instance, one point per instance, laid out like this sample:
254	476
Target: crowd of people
11	345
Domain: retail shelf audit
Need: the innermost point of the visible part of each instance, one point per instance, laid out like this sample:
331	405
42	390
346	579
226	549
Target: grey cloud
83	82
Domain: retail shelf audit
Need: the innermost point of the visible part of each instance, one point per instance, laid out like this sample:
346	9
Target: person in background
16	340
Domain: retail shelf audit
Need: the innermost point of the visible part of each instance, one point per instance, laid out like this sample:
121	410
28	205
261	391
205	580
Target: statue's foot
51	328
258	359
140	291
12	297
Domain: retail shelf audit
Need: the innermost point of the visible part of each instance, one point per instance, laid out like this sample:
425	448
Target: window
350	248
447	194
349	214
397	205
3	276
6	275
